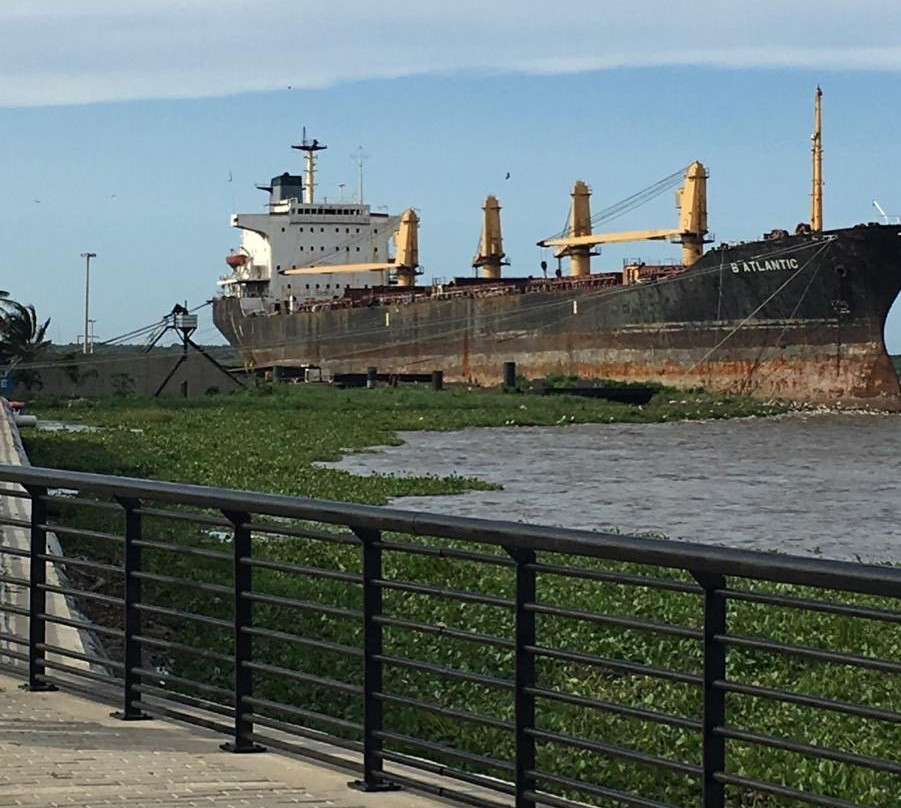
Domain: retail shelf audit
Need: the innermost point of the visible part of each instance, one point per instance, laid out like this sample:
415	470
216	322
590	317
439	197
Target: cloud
84	51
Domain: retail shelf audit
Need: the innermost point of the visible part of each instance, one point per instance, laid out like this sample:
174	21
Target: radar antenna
309	148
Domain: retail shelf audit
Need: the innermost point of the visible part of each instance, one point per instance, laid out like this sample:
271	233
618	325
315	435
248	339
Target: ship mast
309	148
816	215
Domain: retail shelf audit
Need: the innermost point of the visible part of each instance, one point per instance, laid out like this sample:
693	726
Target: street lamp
87	288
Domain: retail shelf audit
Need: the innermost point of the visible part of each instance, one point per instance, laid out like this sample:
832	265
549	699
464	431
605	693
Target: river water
824	484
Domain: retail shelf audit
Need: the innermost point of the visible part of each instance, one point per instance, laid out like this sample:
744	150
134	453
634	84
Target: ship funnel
691	200
490	257
580	225
406	242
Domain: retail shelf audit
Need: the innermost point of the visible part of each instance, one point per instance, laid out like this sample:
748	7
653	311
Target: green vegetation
21	339
270	439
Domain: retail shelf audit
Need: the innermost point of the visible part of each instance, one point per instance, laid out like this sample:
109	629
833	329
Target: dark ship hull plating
799	318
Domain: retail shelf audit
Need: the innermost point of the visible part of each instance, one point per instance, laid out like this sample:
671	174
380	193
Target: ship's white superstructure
298	231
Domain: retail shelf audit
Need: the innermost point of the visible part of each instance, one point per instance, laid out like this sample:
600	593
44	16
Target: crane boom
610	238
691	200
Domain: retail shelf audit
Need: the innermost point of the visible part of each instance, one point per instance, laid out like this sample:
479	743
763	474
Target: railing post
243	614
714	745
524	675
373	708
37	595
131	564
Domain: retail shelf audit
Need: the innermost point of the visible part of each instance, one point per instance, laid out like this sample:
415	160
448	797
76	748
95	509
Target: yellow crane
405	263
691	200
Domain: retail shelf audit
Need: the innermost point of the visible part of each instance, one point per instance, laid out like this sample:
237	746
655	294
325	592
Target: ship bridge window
358	229
321	229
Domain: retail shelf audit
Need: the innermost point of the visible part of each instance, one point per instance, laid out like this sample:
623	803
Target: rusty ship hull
799	318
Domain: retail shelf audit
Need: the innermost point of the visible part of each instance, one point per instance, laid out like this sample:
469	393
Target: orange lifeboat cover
236	260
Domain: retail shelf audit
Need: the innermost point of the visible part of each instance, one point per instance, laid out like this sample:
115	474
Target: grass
271	442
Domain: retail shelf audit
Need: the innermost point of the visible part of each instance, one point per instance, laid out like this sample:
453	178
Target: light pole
87	290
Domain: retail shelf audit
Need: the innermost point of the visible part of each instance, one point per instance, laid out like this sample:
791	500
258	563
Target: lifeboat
235	260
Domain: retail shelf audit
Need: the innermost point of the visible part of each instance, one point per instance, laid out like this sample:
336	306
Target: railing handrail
870	579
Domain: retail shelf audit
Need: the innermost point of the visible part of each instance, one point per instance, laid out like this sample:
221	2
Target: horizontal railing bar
810	653
186	718
865	578
450	594
616	665
411	548
447	712
14	639
168	645
6	652
444	631
598	791
81	673
182	549
81	593
620	752
441	749
811	605
620	709
185	699
440	670
13	581
784	791
112	682
271	634
301	533
10	609
613	620
608	576
163	678
441	792
305	751
310	715
92	658
197	618
93	628
823	752
82	502
443	770
305	605
302	732
113	569
14	493
806	700
184	516
155	577
81	533
301	569
322	681
11	521
15	551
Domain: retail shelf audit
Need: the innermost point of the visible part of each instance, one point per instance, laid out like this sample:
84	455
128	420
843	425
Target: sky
133	130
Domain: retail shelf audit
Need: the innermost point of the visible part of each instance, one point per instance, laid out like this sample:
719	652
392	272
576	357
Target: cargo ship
793	316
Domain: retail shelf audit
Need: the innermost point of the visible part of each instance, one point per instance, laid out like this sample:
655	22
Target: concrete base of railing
72	639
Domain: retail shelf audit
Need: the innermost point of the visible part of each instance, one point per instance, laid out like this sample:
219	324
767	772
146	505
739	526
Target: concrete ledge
18	538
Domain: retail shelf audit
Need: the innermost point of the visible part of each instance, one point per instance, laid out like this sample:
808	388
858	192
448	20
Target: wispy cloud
83	51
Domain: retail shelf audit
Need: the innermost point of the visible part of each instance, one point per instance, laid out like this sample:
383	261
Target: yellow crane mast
490	257
691	200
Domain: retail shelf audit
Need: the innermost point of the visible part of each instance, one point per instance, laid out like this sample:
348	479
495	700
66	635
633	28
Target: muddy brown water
801	483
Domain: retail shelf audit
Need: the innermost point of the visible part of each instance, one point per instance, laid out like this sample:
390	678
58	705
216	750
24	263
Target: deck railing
492	662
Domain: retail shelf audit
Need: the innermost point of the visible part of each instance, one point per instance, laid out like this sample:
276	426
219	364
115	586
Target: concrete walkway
58	749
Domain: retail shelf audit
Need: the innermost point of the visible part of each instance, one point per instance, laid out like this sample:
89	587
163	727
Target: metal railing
492	662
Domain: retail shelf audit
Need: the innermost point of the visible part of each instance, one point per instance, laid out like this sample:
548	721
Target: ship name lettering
764	266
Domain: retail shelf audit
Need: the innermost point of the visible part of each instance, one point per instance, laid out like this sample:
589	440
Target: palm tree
21	339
